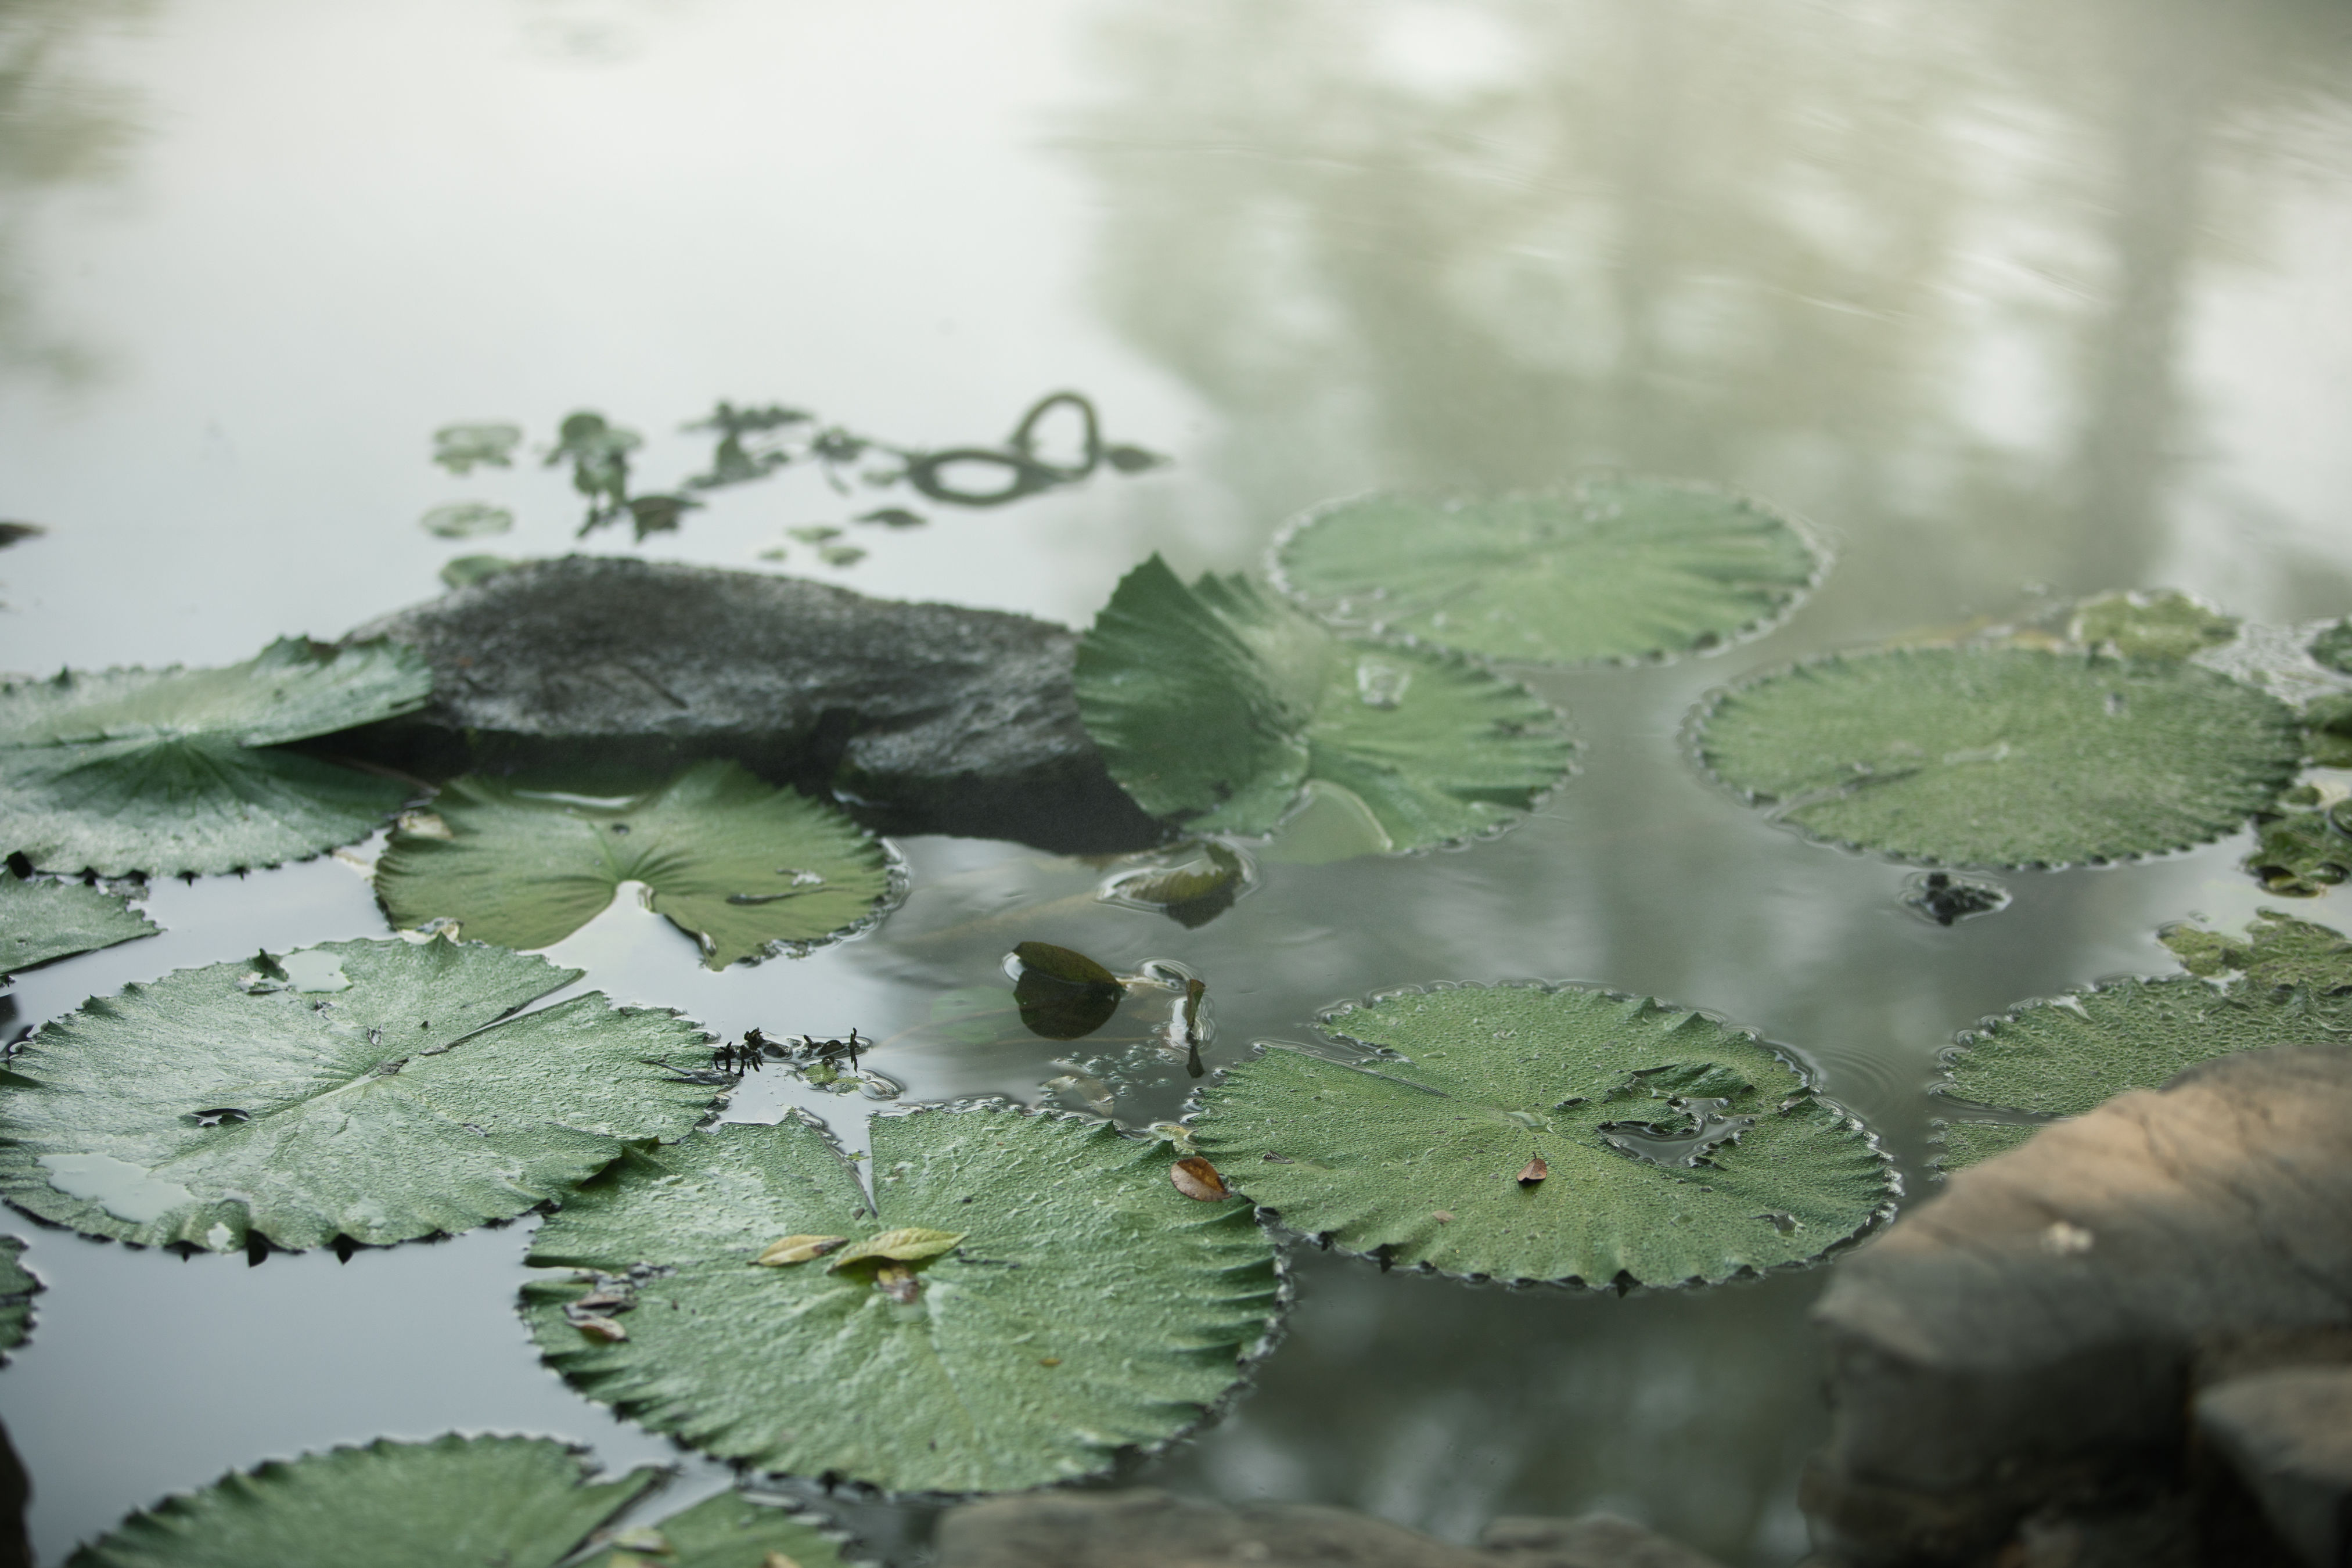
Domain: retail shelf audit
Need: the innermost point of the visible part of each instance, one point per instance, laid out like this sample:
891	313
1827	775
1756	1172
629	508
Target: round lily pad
511	1502
176	771
1216	705
378	1091
1615	569
2288	983
2001	756
1082	1307
745	868
41	919
1530	1132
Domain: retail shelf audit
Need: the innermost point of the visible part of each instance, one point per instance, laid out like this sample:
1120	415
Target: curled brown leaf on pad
1196	1178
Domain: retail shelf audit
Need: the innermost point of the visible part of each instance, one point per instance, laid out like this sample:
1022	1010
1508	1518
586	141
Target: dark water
2013	299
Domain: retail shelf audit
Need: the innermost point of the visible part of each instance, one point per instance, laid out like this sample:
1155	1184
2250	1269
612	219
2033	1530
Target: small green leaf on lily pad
17	1288
1215	705
2287	983
2333	647
2164	624
745	868
406	1101
1615	569
173	772
906	1243
41	920
1089	1310
795	1249
1675	1148
2001	756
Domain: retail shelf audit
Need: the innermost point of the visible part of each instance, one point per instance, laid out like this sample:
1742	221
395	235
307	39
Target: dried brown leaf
1535	1170
1196	1178
799	1249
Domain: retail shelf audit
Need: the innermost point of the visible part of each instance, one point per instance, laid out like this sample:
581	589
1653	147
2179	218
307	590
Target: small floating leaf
459	448
1215	705
41	920
409	1103
1191	887
177	771
465	571
1063	995
466	520
1196	1178
2289	982
17	1288
1411	1155
1615	569
2163	625
906	1243
1074	1248
799	1249
745	868
2002	756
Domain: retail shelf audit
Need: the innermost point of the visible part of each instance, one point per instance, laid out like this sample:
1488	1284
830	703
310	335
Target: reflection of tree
56	127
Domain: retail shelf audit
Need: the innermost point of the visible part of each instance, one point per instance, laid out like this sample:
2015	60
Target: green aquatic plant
42	918
1085	1307
1215	705
2001	756
1615	569
466	520
175	772
2163	625
2285	982
17	1288
2333	647
2301	845
1546	1133
511	1502
378	1090
746	869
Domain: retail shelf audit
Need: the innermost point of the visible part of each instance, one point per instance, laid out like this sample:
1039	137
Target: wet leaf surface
1615	569
41	920
2002	756
2286	983
1215	705
744	868
1418	1155
174	770
1075	1249
17	1288
205	1105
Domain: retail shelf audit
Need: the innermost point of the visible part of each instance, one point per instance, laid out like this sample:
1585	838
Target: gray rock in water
2288	1434
1146	1528
924	717
2029	1341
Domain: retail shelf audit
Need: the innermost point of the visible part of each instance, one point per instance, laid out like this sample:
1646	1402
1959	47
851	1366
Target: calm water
2013	299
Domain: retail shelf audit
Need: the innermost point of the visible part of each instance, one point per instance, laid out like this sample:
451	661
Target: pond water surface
2014	300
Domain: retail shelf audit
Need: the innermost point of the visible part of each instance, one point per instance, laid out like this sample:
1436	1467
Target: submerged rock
1147	1528
923	718
2016	1359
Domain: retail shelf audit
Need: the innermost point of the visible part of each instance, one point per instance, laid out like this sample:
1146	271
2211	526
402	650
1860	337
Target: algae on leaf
383	1093
173	772
1615	569
41	920
2001	756
1215	705
1675	1148
2289	982
17	1288
1086	1307
744	868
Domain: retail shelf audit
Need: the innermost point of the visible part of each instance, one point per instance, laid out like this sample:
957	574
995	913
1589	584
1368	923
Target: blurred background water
2014	300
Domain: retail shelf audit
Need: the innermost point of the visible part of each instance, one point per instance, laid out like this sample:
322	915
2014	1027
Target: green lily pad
2162	625
1088	1308
2288	983
173	772
1667	1147
724	1530
1614	570
1215	705
17	1288
2001	756
41	920
375	1089
2301	845
516	1502
2333	647
746	869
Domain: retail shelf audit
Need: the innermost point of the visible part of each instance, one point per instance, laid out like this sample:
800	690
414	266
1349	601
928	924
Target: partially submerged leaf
746	869
1615	569
1215	705
409	1103
2289	982
2164	624
906	1243
41	920
1666	1139
17	1288
1075	1251
1191	886
1063	995
177	771
2001	756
